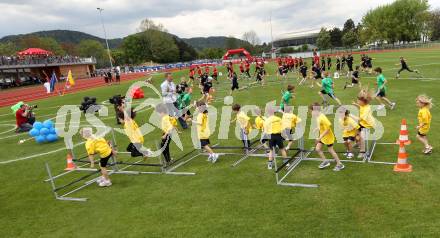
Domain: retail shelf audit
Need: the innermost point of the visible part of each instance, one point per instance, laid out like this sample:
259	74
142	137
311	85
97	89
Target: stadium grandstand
297	39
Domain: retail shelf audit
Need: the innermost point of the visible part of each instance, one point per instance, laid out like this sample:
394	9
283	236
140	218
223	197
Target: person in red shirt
199	71
248	68
191	75
24	118
214	73
207	70
241	69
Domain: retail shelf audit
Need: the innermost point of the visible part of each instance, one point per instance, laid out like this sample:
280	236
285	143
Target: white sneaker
350	156
270	165
209	158
338	167
105	183
324	164
99	179
393	105
380	107
345	154
214	158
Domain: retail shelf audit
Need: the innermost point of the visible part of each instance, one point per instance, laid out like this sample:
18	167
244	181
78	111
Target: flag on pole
70	78
53	81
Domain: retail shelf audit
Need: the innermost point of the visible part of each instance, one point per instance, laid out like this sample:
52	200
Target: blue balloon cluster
44	132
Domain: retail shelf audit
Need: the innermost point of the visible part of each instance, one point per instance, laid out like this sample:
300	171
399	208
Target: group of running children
278	124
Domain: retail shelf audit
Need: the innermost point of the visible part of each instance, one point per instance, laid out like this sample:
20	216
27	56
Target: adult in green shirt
381	82
287	96
327	89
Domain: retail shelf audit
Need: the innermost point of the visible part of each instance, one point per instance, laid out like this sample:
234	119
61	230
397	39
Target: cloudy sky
185	18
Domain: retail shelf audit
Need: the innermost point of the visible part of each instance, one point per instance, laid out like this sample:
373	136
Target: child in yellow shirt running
326	137
272	126
259	125
203	131
168	126
133	132
365	119
424	117
350	130
288	124
98	145
245	126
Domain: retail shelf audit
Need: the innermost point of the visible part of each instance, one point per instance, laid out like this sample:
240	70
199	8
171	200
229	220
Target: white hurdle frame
114	164
303	156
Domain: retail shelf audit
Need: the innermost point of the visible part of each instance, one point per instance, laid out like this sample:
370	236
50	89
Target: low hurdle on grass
165	169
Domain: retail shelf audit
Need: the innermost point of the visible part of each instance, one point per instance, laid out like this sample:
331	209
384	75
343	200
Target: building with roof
297	39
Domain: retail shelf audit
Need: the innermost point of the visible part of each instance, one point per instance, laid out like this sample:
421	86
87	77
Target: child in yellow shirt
97	145
365	119
168	126
350	130
203	131
272	126
259	125
424	103
133	132
288	124
326	137
245	125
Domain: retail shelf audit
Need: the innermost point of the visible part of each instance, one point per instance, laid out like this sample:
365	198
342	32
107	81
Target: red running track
12	96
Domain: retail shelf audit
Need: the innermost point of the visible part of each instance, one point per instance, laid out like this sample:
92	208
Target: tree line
399	22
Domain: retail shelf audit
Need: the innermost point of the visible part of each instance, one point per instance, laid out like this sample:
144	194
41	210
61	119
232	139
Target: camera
87	103
32	107
116	100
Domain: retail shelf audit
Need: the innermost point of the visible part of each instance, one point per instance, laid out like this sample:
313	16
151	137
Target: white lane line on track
37	155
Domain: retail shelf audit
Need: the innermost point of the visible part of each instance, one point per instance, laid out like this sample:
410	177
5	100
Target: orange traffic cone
402	160
70	164
403	137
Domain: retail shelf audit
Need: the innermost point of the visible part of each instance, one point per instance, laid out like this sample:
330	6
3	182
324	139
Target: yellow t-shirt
243	120
259	123
168	124
203	126
366	116
98	146
289	121
132	130
324	125
424	117
272	125
350	127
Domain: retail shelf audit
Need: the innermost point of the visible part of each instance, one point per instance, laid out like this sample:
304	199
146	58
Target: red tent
34	51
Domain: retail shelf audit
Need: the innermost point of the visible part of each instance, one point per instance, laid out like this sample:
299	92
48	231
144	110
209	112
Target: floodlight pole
272	50
105	36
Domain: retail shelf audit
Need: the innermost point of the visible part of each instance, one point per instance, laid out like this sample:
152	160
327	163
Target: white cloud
183	18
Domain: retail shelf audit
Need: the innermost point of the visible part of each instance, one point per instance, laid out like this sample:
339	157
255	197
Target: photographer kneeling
24	118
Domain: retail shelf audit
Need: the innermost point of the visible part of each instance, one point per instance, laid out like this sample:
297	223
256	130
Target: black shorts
349	138
421	134
361	127
276	140
103	161
354	81
381	93
332	95
204	142
191	77
338	67
118	78
350	67
304	75
234	86
331	145
318	77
